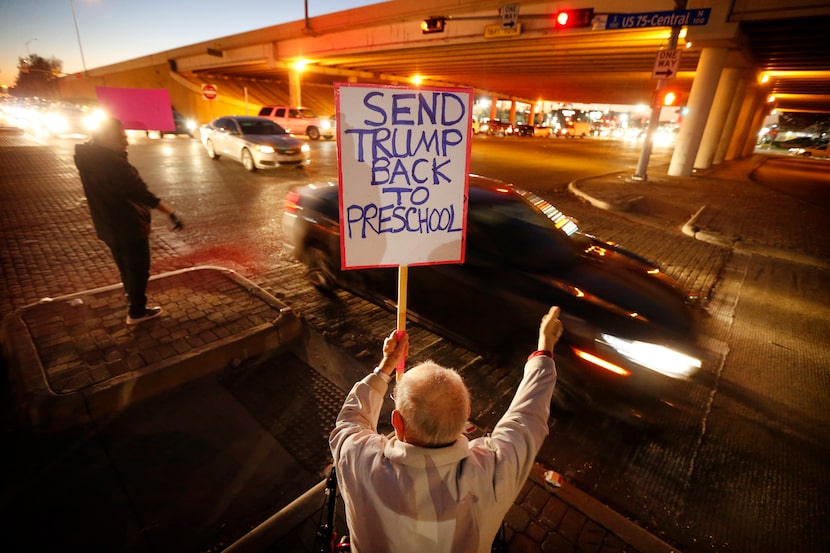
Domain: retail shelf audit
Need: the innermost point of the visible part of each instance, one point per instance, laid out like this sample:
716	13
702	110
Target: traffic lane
232	218
803	178
548	165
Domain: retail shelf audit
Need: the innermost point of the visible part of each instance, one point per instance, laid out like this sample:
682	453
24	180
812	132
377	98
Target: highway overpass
512	55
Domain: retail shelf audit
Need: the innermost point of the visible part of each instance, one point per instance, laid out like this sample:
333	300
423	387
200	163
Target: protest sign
403	161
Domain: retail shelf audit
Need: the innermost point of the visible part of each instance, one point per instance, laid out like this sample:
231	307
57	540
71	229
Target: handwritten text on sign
404	159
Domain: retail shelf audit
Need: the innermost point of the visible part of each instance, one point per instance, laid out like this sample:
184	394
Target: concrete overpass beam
703	90
717	117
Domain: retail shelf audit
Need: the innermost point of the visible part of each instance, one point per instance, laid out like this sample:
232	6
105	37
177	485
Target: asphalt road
734	448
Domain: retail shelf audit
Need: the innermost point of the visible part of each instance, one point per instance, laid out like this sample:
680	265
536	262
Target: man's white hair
434	403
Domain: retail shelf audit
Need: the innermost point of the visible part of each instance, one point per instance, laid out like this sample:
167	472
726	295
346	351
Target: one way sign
509	16
666	65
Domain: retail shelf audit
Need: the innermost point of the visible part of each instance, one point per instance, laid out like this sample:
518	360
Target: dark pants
133	262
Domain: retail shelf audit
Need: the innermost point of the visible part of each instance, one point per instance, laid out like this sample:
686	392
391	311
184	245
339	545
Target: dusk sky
112	31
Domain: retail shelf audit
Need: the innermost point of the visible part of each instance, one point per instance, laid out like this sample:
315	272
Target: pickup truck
299	121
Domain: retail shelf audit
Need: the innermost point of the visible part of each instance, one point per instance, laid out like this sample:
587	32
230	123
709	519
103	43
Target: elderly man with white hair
429	488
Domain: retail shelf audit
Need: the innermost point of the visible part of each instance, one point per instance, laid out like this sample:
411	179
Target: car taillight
292	202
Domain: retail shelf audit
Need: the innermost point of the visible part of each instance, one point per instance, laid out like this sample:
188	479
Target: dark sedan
629	343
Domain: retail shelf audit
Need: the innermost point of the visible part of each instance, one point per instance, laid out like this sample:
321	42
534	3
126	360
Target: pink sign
138	108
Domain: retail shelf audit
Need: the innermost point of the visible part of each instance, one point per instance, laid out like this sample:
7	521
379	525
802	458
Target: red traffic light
671	98
572	19
432	25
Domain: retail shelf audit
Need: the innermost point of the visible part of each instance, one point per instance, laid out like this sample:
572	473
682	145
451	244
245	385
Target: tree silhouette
37	76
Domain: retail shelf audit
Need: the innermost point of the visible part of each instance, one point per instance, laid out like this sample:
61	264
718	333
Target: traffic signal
572	19
432	25
670	98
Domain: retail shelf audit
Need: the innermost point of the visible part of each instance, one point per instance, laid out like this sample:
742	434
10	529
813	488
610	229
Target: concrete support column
493	109
295	80
531	117
744	124
700	101
717	117
512	112
761	113
731	121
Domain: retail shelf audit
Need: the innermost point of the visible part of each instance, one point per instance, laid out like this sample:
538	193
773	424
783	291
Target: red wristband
538	352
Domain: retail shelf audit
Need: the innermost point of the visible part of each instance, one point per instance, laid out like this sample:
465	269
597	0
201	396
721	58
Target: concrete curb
692	229
627	531
38	405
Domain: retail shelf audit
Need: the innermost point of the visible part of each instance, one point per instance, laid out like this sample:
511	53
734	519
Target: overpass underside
532	65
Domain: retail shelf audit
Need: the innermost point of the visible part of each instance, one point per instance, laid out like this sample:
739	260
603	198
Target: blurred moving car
629	344
797	142
572	129
533	130
181	125
816	150
70	120
256	142
496	128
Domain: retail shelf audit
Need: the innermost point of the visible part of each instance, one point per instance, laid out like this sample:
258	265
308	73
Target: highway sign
677	18
209	92
666	64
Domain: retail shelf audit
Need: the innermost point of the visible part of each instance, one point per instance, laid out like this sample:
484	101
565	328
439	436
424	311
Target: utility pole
656	107
78	34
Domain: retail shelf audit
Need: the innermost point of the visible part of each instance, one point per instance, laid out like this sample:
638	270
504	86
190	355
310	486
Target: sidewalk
722	206
71	361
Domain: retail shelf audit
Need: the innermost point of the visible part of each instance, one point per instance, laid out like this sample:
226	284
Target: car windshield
511	231
307	113
260	127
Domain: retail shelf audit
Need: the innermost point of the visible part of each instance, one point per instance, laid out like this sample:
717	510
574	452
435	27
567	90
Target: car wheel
248	161
320	270
211	150
313	133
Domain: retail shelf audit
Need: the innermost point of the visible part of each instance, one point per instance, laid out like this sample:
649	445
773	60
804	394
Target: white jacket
401	498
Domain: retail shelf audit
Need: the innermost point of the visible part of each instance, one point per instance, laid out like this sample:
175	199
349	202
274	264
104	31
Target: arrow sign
509	16
666	64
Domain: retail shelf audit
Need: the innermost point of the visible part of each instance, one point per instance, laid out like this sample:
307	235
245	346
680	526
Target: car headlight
326	125
655	357
57	123
265	149
190	124
305	148
94	119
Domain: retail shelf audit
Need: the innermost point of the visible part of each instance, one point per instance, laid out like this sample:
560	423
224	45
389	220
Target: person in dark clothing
120	204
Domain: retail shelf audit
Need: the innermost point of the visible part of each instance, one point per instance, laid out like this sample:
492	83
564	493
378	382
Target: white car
256	142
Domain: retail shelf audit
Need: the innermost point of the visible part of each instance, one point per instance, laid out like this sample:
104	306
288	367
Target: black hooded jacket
118	198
